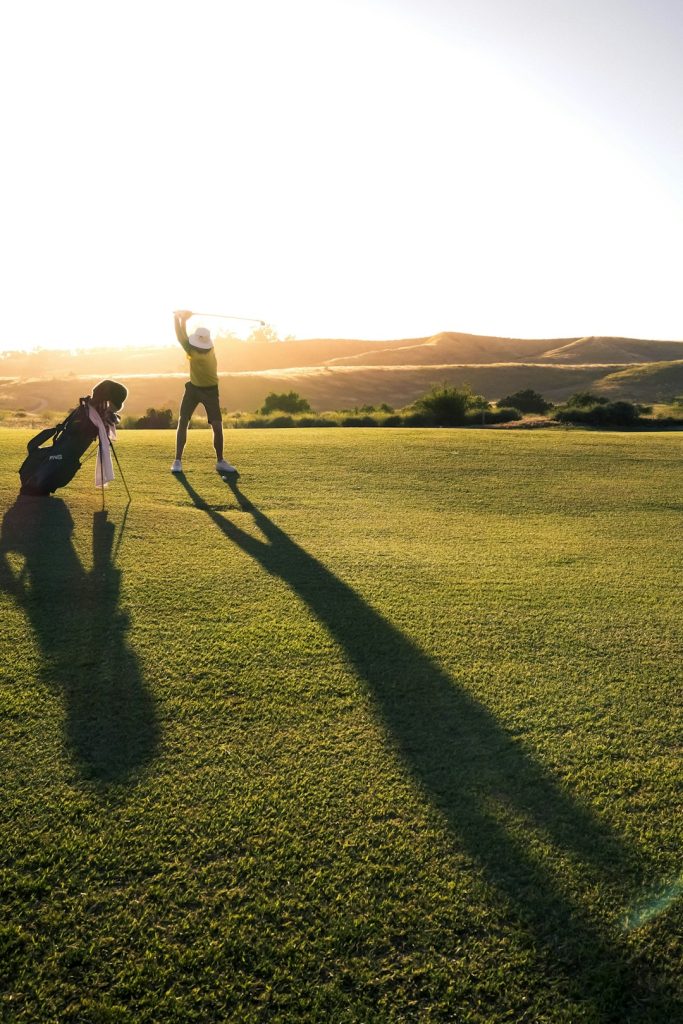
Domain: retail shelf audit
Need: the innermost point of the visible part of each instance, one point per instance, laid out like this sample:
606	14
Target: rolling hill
613	350
343	373
647	382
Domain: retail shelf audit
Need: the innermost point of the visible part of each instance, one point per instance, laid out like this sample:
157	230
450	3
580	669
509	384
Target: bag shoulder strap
42	437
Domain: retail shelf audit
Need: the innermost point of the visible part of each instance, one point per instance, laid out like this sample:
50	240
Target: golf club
229	316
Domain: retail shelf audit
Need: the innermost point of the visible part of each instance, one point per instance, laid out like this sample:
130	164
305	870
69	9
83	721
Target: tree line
444	405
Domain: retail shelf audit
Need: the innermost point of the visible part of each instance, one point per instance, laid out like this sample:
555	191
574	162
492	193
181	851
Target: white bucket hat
201	338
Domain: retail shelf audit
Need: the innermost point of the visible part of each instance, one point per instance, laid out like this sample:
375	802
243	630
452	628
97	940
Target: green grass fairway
391	733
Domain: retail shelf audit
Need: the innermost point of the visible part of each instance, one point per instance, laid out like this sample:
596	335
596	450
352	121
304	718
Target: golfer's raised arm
180	318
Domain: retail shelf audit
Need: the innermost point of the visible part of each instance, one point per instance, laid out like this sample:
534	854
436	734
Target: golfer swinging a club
202	388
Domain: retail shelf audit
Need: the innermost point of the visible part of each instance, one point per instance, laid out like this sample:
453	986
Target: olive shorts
194	396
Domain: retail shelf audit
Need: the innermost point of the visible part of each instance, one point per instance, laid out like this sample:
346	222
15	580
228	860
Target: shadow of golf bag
47	467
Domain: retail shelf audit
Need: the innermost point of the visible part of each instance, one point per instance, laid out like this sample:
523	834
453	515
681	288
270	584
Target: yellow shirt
203	365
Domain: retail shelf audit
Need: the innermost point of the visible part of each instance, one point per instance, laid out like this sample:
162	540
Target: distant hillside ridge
235	355
454	347
345	373
447	347
325	387
613	350
648	382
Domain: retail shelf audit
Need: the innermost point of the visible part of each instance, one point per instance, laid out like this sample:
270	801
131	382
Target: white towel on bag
104	470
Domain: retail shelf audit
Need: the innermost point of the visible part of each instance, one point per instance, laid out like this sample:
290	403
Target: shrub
573	414
476	418
606	414
617	414
445	405
418	419
315	421
291	402
371	408
527	400
257	422
667	422
154	419
585	400
264	422
504	414
359	421
392	421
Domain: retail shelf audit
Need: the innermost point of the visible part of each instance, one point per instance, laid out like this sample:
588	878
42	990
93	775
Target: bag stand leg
123	479
99	456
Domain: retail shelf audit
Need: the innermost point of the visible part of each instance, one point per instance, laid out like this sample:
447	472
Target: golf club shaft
228	316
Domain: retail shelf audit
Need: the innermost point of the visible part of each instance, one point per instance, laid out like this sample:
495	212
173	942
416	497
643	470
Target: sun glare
337	169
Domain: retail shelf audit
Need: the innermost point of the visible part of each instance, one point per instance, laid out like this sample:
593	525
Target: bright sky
341	168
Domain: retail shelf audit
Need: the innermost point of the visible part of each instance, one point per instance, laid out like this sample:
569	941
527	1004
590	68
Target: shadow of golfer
111	728
479	778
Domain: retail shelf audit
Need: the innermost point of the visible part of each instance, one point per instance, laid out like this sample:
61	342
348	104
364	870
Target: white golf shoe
177	466
224	467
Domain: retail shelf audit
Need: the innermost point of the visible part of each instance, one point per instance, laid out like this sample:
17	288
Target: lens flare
653	906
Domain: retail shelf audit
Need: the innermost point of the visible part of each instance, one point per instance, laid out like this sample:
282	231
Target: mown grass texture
386	733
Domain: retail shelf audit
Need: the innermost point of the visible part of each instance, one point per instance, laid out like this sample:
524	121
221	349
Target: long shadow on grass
479	778
111	727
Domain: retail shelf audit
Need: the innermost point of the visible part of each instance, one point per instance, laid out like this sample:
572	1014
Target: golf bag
47	467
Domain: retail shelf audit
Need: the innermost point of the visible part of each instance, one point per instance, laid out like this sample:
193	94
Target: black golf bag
47	467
